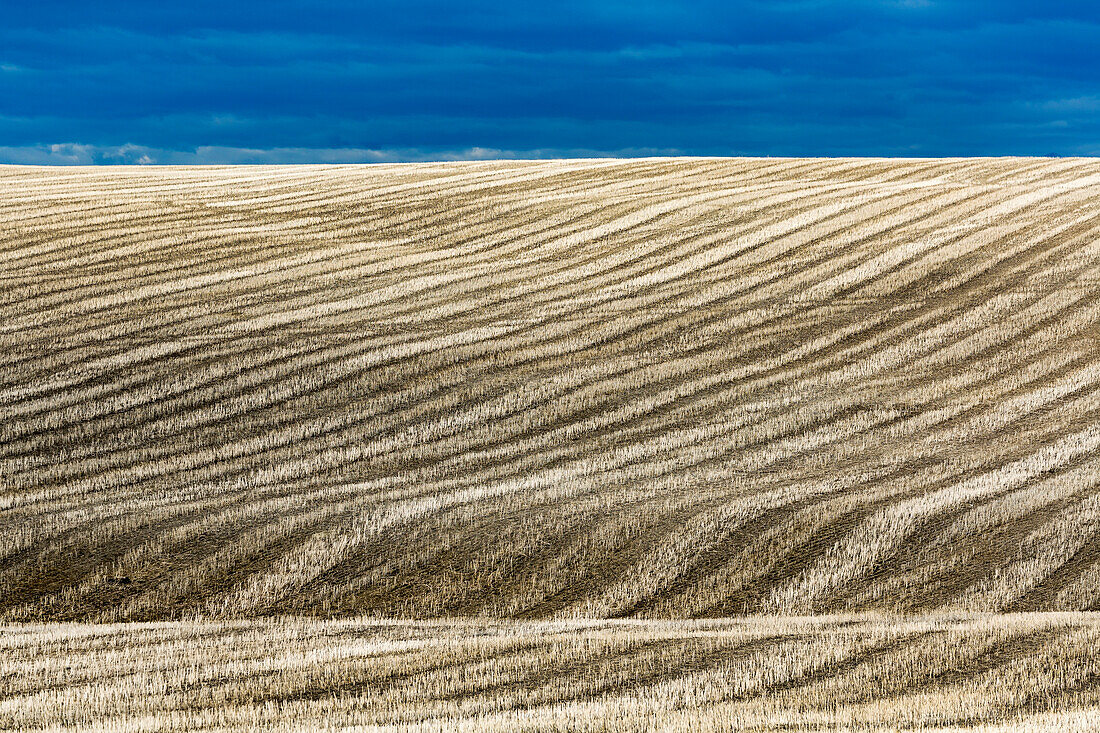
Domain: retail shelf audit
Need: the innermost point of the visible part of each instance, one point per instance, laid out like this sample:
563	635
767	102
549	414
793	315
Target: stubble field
549	393
943	673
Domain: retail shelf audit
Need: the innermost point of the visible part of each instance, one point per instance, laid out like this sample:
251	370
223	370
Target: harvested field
540	421
667	388
1008	673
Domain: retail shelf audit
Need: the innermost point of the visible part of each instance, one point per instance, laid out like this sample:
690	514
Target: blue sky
287	81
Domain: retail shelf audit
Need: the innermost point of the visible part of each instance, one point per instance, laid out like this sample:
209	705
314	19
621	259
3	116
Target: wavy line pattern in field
674	388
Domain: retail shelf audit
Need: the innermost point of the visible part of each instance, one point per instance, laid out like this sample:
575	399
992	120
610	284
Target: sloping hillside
672	388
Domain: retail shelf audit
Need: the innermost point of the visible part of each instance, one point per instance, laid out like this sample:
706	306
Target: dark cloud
354	82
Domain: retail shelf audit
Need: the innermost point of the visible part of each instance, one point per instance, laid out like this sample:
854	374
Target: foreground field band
1006	673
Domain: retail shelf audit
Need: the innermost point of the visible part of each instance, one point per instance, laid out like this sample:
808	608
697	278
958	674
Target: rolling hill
668	388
